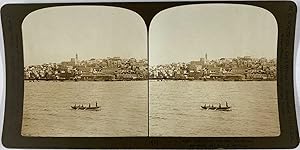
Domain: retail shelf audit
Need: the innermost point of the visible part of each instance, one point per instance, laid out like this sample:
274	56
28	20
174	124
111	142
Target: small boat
220	108
81	107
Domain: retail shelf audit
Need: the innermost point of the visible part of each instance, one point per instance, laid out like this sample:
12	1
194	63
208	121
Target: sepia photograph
171	75
213	72
85	72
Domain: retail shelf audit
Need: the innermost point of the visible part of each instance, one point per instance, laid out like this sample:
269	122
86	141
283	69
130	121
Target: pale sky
56	34
178	34
185	33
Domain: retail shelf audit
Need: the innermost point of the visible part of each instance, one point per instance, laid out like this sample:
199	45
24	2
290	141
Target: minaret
76	60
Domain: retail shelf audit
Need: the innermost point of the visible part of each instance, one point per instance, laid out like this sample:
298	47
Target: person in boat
89	105
226	104
220	105
96	104
204	105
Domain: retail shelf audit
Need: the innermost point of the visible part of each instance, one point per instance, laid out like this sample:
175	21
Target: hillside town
121	69
223	69
107	69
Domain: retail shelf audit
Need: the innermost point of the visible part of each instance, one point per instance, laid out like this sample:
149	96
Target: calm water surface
47	111
175	108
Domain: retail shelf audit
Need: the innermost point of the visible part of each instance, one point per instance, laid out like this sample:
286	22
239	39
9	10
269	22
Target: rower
89	105
219	105
226	104
96	104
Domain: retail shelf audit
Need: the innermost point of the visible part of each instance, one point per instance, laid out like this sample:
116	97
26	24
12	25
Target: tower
205	56
76	59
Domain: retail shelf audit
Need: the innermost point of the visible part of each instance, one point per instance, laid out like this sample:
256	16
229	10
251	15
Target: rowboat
219	108
81	107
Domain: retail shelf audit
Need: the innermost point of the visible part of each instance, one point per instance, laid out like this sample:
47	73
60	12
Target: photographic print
213	72
201	74
85	72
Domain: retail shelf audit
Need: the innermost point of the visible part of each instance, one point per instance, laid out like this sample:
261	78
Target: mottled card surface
150	75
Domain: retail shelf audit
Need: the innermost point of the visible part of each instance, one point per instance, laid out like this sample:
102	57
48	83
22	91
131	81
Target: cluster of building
118	69
108	69
233	69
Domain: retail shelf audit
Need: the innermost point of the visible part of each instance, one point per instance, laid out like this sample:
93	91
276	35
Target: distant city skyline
77	58
184	33
187	61
58	33
84	59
